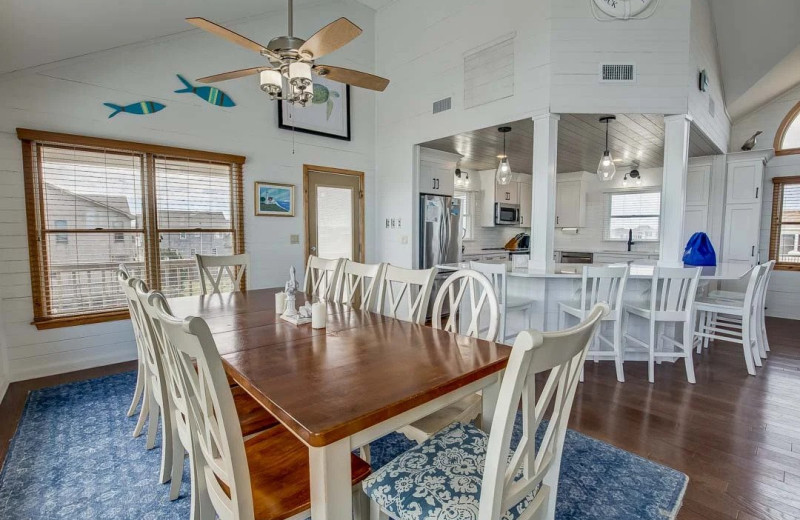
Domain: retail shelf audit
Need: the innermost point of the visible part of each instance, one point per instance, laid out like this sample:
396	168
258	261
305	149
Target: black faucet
630	239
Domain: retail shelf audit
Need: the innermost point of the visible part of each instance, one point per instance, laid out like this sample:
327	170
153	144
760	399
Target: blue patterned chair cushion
438	479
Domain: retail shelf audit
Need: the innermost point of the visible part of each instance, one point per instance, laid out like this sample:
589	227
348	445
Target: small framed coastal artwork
274	200
327	114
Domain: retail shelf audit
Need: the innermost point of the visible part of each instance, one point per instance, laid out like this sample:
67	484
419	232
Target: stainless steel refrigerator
440	237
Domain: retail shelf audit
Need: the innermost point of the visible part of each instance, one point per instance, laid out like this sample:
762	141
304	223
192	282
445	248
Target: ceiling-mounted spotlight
503	168
606	169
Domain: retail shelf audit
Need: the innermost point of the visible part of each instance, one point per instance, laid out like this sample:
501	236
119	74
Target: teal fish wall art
211	95
140	108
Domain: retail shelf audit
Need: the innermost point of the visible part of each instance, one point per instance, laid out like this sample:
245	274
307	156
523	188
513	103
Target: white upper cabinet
742	228
744	182
525	203
698	190
437	171
507	194
570	204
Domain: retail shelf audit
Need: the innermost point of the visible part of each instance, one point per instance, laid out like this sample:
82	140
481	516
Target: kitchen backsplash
489	236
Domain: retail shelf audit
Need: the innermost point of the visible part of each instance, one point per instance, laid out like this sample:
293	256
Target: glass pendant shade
504	171
606	169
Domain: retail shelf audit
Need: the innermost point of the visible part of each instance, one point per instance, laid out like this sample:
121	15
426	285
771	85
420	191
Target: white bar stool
498	274
606	285
719	319
672	295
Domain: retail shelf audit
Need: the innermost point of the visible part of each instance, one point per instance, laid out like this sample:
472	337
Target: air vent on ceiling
442	105
617	72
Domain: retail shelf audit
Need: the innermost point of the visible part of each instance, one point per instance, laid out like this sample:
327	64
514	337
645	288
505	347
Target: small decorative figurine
751	143
292	314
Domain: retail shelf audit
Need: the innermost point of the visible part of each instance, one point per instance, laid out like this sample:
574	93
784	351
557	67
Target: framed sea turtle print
274	200
328	112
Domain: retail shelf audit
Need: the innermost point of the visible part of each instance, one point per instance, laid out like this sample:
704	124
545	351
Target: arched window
787	140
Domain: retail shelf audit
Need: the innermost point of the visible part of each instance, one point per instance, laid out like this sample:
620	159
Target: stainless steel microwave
506	214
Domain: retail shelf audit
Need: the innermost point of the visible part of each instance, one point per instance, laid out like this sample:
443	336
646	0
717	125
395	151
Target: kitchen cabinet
437	171
507	193
698	191
525	203
570	204
743	195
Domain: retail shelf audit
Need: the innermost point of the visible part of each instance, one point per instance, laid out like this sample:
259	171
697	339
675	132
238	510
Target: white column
543	216
673	189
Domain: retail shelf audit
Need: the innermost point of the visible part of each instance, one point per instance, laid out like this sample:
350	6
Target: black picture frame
347	137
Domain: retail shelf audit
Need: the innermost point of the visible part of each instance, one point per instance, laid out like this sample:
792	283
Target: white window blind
637	211
785	232
335	222
91	207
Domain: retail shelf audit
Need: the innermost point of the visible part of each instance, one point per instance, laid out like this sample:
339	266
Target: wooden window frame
35	207
778	184
777	144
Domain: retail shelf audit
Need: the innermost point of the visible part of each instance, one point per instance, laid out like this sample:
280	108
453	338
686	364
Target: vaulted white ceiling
35	32
756	41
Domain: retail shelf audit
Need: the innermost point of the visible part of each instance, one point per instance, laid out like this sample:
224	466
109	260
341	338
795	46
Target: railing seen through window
95	203
638	211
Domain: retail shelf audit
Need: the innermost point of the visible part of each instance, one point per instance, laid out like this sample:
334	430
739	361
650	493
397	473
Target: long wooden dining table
337	389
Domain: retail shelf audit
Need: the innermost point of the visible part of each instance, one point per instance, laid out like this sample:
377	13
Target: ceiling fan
291	60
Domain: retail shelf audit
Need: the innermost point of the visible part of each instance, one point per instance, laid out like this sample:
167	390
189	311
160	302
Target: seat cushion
279	473
253	418
440	478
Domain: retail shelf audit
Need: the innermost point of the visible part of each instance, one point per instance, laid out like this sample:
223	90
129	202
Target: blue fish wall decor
212	95
140	108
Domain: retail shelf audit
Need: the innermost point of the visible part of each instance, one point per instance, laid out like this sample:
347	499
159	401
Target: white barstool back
219	456
604	285
358	282
412	286
322	277
498	274
213	282
467	287
561	353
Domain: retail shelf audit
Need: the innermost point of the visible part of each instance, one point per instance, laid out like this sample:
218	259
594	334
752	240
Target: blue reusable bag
699	251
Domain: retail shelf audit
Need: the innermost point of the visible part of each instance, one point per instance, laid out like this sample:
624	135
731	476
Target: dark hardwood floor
736	436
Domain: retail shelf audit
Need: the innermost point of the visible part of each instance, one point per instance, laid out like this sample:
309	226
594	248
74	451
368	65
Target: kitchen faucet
630	239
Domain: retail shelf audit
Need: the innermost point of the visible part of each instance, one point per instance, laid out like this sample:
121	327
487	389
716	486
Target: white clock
622	9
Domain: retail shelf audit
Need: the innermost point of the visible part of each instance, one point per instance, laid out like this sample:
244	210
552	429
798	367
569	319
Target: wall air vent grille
617	73
442	105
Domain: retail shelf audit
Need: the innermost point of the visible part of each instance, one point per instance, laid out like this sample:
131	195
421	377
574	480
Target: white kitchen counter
639	269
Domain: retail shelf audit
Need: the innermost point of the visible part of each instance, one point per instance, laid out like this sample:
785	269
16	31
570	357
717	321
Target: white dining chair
322	277
501	483
357	284
265	476
760	317
498	274
672	295
601	284
412	286
212	269
744	330
469	291
123	275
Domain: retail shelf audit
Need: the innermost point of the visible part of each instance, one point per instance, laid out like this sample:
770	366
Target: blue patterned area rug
73	457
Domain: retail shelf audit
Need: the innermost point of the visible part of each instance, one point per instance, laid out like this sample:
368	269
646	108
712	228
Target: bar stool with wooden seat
672	295
601	284
266	476
234	266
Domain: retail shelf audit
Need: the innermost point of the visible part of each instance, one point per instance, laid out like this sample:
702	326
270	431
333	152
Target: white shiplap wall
783	298
69	96
421	46
4	376
703	56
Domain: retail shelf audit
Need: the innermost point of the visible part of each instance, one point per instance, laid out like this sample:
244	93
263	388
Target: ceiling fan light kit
287	76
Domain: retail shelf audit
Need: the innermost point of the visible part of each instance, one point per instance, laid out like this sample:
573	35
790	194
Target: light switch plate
294	239
404	239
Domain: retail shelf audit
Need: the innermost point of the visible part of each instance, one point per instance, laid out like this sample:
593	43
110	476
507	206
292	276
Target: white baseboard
53	364
4	382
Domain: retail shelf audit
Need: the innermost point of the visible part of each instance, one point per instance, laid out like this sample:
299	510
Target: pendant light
504	169
606	169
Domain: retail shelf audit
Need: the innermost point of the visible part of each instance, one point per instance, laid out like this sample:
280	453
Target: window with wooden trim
784	244
787	139
95	203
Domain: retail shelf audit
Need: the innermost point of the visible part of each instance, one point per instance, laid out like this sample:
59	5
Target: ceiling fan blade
334	35
232	75
231	36
352	77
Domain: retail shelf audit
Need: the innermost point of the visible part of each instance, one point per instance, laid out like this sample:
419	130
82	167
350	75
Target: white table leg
331	488
489	396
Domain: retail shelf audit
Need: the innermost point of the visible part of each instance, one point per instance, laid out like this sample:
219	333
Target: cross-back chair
491	481
358	282
412	286
322	277
123	275
213	281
